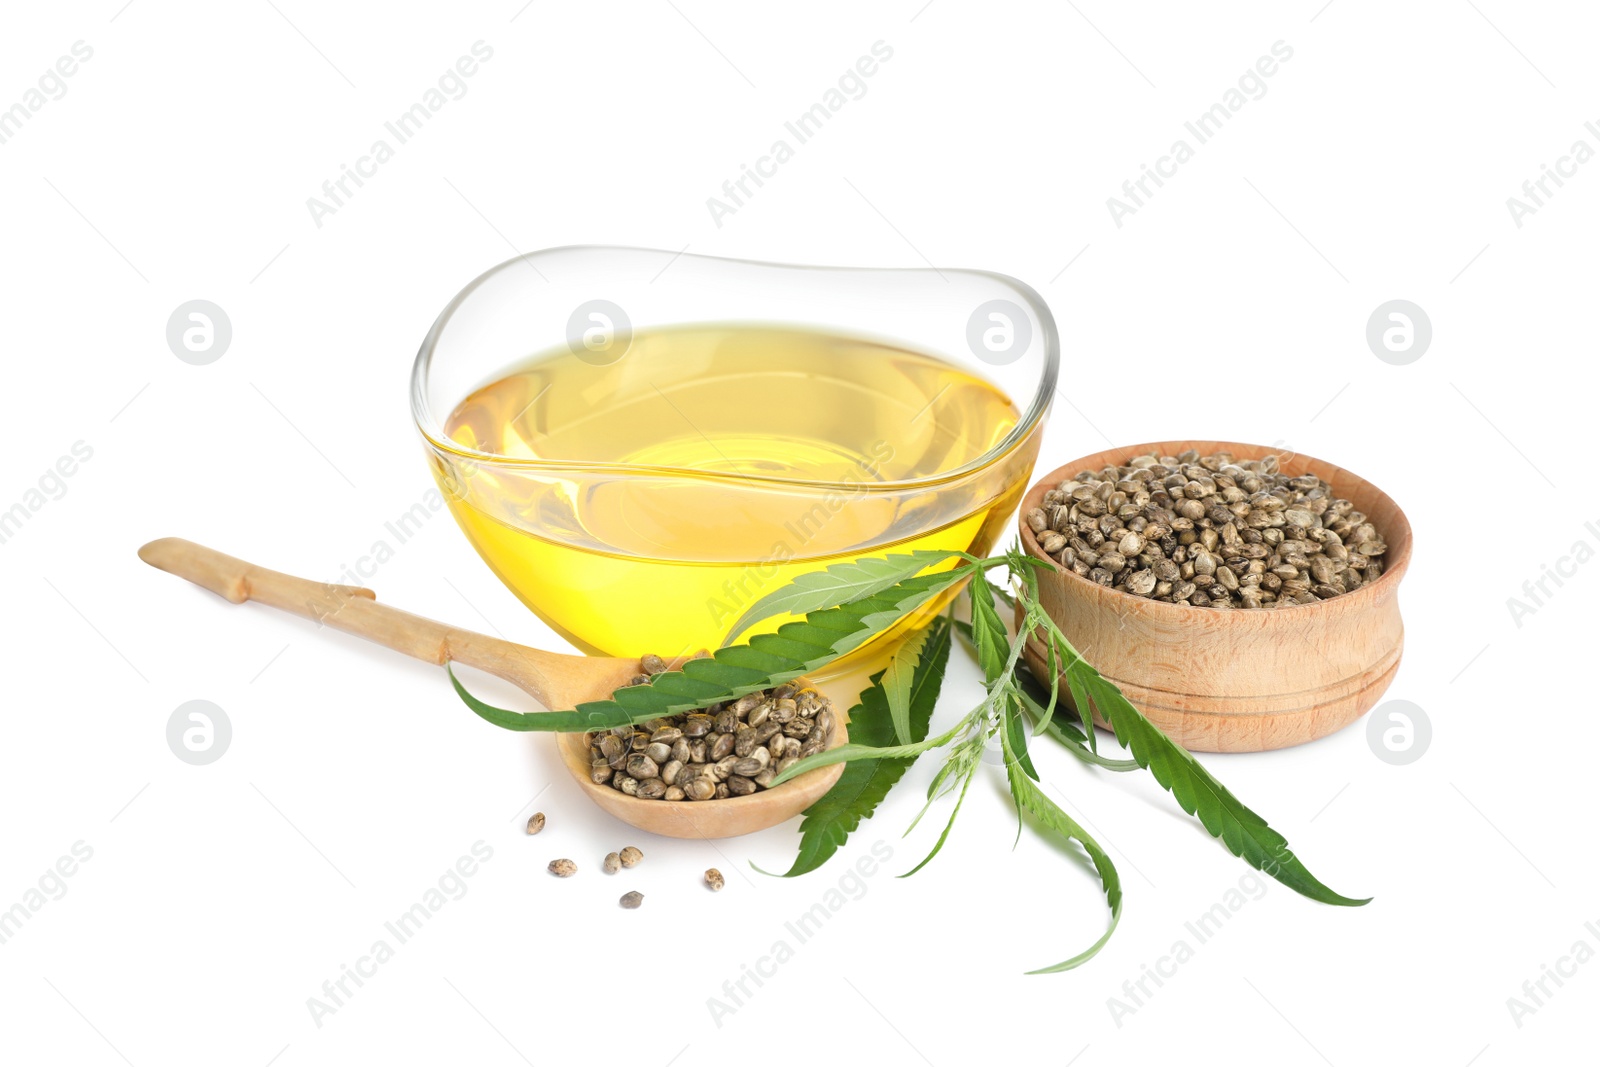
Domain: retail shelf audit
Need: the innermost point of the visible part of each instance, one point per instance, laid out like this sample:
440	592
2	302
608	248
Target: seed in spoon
632	899
714	880
563	868
630	856
612	863
536	823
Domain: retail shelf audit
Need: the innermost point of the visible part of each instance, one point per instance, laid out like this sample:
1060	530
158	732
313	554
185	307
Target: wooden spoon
556	681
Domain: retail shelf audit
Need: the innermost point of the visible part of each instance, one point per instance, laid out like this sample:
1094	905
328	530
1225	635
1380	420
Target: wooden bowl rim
804	790
1394	569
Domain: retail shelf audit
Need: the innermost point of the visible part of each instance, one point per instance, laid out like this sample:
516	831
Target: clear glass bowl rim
1038	405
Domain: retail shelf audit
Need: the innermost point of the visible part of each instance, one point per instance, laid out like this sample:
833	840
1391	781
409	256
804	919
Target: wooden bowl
707	818
1245	680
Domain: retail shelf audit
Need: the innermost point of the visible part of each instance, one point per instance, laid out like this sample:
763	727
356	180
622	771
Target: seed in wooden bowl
630	856
714	880
536	823
1208	531
631	899
563	868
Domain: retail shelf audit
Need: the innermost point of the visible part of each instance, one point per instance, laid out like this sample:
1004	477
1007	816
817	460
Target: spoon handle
545	676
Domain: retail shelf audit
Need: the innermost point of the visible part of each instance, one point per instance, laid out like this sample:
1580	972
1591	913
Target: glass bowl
642	443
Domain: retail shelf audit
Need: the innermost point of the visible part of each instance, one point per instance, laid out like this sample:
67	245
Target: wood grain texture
555	680
1240	680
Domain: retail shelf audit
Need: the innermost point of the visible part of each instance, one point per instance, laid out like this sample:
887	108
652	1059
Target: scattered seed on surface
632	899
630	856
714	880
612	863
563	868
536	823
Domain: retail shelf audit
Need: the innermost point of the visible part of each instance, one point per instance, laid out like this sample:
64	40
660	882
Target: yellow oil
711	464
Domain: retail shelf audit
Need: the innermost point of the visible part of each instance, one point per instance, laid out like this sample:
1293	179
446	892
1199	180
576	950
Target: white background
219	898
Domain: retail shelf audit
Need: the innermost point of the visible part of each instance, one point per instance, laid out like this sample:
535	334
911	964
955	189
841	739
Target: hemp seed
730	749
1207	531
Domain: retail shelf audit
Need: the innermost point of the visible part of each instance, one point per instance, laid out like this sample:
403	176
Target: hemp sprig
847	604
